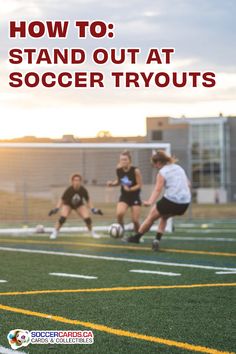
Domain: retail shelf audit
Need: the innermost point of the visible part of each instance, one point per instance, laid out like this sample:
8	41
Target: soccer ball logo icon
21	337
18	338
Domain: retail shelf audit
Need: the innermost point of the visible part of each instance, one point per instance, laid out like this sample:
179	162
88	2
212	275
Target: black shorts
74	207
130	200
167	207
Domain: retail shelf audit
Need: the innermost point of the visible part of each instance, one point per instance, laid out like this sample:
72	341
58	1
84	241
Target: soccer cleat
133	239
53	211
54	235
155	245
95	235
96	211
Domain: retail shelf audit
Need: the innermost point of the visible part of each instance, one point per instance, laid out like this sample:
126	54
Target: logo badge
18	338
76	199
125	181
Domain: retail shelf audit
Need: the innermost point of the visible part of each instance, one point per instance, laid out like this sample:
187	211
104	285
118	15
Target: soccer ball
39	229
116	231
21	337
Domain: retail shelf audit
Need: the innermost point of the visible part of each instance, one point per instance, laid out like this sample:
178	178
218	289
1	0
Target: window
206	155
157	135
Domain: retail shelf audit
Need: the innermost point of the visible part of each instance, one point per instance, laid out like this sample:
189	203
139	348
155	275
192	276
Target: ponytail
162	157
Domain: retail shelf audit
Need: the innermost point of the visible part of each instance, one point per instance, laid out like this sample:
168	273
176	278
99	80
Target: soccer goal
34	176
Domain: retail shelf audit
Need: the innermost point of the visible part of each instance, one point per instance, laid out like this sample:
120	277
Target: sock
138	235
158	236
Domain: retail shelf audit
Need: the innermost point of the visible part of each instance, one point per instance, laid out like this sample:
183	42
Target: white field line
73	275
154	272
66	229
4	350
119	259
3	281
226	272
47	234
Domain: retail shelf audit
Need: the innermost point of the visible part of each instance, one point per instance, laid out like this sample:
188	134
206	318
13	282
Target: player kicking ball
76	198
130	179
177	197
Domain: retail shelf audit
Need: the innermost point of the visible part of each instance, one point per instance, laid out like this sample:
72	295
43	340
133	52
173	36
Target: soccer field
180	300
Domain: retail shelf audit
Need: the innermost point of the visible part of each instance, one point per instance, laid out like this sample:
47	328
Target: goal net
34	176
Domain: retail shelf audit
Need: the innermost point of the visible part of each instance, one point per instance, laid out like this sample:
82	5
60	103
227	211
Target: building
206	149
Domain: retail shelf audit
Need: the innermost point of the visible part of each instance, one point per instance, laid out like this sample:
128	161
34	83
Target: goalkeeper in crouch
75	197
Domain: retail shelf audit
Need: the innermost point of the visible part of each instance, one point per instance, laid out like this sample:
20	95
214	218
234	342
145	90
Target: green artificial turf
202	316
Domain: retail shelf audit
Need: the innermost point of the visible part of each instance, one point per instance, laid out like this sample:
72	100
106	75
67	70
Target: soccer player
76	198
177	196
130	179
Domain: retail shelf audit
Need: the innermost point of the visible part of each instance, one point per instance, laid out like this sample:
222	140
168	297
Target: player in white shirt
177	196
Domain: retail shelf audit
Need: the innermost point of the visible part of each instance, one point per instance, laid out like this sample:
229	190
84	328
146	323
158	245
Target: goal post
34	176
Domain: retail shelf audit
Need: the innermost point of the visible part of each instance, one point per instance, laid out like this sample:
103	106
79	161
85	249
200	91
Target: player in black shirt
130	180
76	198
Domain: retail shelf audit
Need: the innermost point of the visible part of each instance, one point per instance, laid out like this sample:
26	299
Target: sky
202	33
